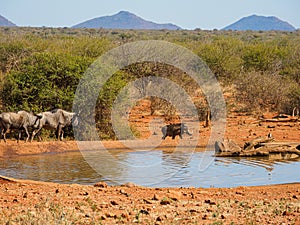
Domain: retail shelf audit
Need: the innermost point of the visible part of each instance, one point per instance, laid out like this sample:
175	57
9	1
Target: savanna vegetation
40	68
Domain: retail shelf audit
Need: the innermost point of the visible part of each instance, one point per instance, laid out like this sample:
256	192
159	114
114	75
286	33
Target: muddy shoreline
13	149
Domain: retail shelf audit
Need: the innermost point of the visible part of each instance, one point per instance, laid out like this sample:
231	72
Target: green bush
43	81
223	56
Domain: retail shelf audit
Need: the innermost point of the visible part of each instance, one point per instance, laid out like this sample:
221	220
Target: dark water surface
151	168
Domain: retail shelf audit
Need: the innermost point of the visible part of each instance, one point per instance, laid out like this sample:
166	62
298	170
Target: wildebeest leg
34	133
4	137
62	135
27	133
39	136
19	135
59	132
4	133
173	136
1	133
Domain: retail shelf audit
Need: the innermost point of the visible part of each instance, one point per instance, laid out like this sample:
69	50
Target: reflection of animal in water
173	130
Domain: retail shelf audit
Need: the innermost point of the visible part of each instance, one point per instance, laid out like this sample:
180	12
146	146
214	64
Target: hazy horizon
189	14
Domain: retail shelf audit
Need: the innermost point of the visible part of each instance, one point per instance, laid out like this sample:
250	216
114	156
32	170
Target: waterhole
153	168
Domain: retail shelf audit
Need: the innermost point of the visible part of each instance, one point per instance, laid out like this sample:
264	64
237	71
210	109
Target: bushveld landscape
259	73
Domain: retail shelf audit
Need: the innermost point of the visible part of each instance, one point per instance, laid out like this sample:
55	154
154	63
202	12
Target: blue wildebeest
56	119
19	121
173	130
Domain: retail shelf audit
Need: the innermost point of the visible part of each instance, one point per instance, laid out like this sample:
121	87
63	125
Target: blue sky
188	14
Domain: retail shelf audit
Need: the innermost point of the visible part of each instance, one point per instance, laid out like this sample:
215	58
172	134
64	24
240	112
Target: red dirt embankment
28	202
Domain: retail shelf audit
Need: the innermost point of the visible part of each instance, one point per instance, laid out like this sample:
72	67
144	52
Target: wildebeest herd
56	119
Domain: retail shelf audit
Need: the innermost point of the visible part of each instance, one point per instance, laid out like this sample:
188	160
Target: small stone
174	195
193	195
209	202
266	202
193	211
110	215
159	218
147	201
165	202
205	217
101	185
156	197
125	215
114	202
295	197
129	185
142	211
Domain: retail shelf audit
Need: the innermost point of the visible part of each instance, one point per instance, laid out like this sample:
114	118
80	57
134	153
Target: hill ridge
124	20
4	22
264	23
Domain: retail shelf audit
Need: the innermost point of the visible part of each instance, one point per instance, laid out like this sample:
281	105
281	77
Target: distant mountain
5	22
264	23
124	20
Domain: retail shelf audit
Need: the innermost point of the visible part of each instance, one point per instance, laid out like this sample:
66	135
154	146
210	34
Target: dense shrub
40	67
43	81
223	56
265	92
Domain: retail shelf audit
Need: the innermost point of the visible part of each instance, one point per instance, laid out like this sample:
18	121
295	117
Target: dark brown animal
173	130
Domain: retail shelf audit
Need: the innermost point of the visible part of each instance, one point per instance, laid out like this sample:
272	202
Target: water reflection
151	168
262	162
62	168
177	158
257	162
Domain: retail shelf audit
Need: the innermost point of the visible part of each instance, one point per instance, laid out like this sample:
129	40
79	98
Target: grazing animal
173	130
56	119
19	121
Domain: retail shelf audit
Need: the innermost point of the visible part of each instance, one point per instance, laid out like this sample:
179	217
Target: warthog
173	130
